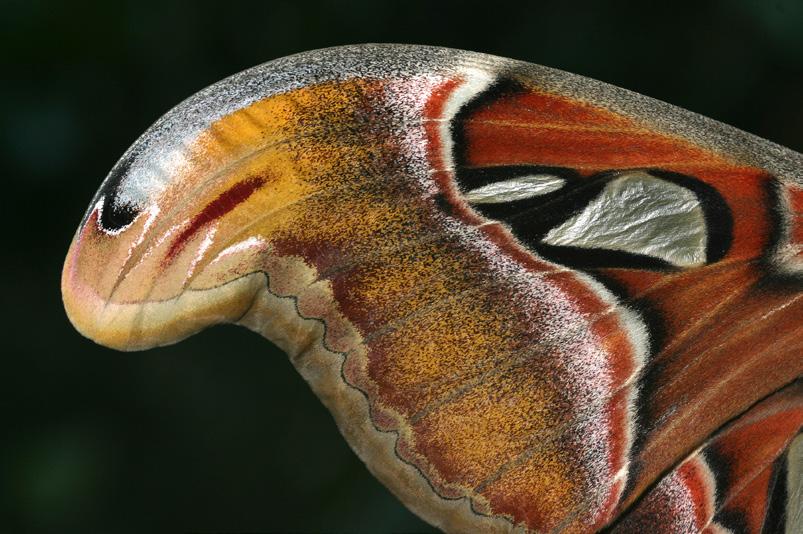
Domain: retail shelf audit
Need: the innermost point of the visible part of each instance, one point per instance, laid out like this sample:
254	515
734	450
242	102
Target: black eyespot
115	216
115	213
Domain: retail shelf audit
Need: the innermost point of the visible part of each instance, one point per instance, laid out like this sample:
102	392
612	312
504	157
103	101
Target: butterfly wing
527	298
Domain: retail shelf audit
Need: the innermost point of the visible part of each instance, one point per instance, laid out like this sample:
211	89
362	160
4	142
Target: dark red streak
223	204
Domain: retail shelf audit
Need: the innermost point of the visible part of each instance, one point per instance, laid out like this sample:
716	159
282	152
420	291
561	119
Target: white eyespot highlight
640	214
518	188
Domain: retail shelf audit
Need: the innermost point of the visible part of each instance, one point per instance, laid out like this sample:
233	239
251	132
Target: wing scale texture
532	301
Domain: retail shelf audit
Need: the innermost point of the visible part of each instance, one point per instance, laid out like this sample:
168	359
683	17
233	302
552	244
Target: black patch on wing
721	469
777	497
504	86
778	224
724	481
596	258
443	204
115	214
779	280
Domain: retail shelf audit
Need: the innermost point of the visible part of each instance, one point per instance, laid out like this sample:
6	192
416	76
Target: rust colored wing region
728	484
529	303
516	125
710	324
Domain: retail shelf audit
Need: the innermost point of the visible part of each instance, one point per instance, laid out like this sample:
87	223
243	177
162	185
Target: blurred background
219	433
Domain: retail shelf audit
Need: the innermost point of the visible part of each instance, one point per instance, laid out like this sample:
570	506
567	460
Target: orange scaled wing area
533	302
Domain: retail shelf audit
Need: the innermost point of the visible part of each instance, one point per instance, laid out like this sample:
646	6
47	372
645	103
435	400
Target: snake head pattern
531	301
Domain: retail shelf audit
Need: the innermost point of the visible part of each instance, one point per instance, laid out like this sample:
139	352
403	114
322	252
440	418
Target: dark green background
219	433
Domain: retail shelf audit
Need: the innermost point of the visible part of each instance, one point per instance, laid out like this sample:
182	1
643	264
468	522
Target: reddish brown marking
433	111
542	129
796	214
751	502
695	478
433	114
752	446
746	449
223	204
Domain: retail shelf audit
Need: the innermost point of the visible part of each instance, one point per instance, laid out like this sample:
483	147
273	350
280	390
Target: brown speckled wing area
531	301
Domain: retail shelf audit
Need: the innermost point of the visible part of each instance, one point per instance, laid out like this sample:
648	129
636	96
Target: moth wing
525	296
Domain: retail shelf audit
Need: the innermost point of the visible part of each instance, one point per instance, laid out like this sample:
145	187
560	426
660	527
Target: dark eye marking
115	214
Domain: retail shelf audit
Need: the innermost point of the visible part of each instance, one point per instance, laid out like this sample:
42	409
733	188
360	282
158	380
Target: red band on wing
223	204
